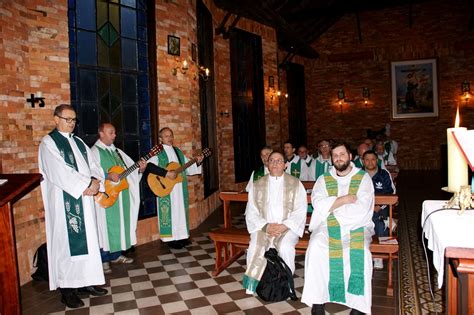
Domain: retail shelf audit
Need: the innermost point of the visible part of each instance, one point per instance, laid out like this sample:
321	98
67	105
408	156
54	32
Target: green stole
258	262
165	212
74	212
109	159
259	172
336	284
296	169
358	162
321	168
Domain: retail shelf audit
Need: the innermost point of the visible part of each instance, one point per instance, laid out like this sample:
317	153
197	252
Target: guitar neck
129	170
185	166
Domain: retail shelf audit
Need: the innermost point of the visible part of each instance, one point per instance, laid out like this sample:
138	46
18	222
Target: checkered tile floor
164	281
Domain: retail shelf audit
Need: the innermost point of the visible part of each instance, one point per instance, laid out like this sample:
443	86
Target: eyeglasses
277	161
324	145
69	120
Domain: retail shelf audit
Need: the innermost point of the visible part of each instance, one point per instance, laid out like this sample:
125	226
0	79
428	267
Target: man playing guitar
173	209
117	222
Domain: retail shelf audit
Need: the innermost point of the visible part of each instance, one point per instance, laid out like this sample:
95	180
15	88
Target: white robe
250	183
66	271
133	180
307	172
350	216
295	222
178	216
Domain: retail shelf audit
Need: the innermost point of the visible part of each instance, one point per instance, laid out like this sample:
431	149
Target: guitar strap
120	156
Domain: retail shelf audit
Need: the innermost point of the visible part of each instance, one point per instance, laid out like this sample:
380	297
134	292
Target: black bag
41	262
277	280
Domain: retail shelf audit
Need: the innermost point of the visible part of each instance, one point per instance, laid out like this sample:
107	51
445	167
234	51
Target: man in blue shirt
382	185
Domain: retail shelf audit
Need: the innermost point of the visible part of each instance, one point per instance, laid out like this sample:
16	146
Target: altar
451	238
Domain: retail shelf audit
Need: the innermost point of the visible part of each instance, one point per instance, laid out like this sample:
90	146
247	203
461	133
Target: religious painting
414	89
173	45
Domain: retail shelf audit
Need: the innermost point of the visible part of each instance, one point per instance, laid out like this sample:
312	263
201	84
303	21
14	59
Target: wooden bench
230	243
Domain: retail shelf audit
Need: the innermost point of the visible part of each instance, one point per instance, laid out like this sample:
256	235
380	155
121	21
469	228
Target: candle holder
462	199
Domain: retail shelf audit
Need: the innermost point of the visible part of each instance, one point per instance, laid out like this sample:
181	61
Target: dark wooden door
248	107
296	104
207	98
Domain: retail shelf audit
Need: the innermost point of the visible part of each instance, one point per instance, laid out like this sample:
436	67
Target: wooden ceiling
299	22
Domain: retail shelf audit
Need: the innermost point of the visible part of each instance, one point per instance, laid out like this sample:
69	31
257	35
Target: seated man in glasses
275	216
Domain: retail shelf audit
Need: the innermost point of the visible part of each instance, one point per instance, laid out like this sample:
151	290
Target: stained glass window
109	75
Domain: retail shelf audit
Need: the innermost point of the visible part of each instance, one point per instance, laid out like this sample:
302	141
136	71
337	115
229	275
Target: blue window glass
86	54
85	11
109	76
87	85
128	21
129	89
129	54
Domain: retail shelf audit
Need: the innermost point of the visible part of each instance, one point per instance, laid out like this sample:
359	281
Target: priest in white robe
293	162
173	210
307	164
71	176
338	264
275	217
117	224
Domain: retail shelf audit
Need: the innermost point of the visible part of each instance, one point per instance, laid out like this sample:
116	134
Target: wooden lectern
460	295
18	185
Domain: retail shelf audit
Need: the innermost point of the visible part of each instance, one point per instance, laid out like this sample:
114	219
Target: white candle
457	165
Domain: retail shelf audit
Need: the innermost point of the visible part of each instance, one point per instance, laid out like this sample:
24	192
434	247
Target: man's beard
342	167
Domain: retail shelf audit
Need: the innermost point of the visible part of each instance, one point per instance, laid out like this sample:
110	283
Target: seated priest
275	216
307	164
293	163
338	263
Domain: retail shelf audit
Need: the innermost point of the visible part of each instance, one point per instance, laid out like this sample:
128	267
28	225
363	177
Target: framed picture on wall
173	45
414	88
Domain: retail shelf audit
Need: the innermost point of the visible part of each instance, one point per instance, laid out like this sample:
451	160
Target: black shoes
318	309
174	244
71	300
179	244
356	312
185	242
92	290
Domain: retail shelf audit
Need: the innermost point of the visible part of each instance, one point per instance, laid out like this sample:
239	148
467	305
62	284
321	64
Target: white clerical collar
104	146
276	178
66	134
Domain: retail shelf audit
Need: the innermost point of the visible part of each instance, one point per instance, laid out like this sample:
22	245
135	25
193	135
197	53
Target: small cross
296	173
31	100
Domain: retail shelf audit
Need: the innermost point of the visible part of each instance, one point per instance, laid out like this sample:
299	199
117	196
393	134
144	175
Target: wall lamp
182	67
341	95
36	99
366	95
272	92
466	90
202	72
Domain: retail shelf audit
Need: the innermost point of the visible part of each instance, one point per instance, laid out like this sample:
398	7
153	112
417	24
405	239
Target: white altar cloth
446	228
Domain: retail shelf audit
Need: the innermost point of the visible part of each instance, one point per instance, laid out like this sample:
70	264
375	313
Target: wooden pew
230	242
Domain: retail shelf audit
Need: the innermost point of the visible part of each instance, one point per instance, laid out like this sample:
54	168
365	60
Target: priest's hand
343	200
141	166
93	188
171	174
275	229
113	177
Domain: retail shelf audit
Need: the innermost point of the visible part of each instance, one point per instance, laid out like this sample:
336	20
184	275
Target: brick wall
440	29
34	54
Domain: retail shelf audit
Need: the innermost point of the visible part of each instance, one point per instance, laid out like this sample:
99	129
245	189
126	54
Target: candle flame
456	122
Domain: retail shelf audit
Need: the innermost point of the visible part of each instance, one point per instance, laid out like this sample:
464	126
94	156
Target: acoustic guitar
112	189
162	186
